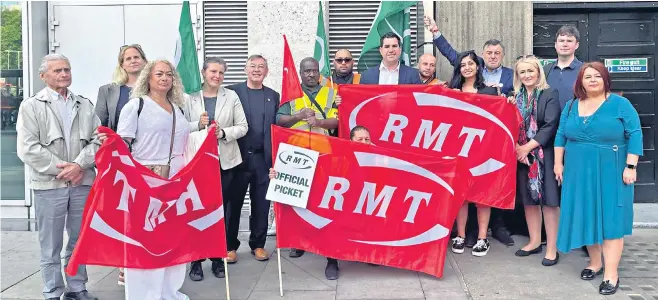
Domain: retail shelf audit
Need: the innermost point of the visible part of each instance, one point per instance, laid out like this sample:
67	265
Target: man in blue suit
390	71
493	52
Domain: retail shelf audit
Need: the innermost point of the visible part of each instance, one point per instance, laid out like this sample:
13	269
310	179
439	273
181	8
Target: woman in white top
149	131
219	104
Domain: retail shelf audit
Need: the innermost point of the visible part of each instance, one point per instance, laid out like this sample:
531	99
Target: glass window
12	171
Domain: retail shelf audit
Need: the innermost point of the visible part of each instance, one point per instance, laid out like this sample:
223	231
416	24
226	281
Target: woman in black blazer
536	187
467	77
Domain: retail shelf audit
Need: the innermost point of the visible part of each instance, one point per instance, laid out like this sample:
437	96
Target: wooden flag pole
228	290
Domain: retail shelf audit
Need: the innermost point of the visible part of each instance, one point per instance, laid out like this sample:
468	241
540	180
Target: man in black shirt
260	105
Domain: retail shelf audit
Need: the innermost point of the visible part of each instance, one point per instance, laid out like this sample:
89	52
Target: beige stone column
468	24
269	20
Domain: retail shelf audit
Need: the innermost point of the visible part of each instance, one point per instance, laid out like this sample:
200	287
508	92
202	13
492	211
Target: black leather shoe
550	262
589	274
217	269
331	271
196	272
606	288
82	295
502	235
523	253
471	239
296	252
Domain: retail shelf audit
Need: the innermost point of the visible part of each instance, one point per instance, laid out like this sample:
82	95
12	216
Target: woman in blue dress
597	147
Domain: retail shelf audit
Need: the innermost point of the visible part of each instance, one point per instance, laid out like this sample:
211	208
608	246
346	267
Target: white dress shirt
388	77
65	109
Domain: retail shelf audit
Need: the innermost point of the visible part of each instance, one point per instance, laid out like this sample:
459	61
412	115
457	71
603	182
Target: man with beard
343	74
427	69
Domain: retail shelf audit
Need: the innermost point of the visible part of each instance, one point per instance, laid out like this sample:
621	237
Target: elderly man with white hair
57	140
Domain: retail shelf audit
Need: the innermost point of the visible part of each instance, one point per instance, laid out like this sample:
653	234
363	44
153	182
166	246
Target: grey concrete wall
269	20
37	39
468	24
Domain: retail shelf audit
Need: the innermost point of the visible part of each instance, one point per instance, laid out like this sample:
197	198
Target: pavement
499	275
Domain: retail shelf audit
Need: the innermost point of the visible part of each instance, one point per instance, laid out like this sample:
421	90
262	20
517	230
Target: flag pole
278	259
228	290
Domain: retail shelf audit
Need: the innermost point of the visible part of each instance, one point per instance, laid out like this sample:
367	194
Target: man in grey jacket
57	140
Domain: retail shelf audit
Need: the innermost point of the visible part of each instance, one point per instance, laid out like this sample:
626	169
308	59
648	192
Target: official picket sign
627	65
295	167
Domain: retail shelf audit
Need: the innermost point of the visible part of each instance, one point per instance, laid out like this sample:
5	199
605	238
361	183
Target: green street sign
627	65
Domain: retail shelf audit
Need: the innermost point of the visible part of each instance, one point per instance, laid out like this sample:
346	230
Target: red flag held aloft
291	88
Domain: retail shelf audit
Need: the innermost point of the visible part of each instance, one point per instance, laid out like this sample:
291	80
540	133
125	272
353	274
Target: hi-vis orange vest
324	81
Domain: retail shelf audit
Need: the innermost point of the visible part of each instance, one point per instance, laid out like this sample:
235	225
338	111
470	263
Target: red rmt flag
371	204
480	130
135	219
291	88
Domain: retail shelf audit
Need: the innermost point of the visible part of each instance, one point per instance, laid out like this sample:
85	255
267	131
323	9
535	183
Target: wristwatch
629	166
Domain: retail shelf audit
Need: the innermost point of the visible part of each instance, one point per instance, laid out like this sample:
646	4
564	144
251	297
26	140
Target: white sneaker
481	248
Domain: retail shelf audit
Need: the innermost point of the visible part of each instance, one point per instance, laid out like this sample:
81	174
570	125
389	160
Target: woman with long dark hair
467	78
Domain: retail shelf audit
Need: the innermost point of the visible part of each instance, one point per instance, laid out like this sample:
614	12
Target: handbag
163	170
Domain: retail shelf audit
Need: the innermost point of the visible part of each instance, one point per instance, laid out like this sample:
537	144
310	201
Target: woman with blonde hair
112	97
537	189
154	127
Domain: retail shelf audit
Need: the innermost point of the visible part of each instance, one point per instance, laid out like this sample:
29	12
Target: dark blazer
506	78
408	75
270	118
106	105
548	118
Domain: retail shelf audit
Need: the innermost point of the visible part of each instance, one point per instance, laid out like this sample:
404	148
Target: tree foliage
11	38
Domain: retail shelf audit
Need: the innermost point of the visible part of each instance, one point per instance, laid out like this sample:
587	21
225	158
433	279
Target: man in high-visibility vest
343	66
315	112
427	69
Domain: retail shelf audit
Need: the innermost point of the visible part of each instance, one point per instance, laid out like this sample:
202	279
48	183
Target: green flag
321	52
392	16
185	56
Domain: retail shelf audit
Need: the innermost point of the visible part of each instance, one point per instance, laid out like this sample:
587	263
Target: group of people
577	150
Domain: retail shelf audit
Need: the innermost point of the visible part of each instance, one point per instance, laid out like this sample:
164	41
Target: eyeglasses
130	46
525	56
343	60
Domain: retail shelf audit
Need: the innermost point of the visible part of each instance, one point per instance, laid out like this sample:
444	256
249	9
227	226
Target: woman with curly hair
154	127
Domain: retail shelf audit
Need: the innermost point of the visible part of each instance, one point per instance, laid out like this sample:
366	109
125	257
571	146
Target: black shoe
458	245
550	262
196	272
606	288
502	235
217	269
523	253
331	271
589	274
471	239
82	295
296	252
53	298
481	248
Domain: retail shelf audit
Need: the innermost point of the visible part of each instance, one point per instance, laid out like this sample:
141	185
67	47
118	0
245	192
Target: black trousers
228	179
252	173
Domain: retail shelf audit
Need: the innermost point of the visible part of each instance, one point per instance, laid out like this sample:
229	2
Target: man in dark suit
493	52
260	105
390	71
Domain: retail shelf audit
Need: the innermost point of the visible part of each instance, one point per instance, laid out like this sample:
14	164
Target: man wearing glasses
260	104
316	112
343	74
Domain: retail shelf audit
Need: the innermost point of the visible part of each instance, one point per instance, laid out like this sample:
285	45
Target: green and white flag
185	56
392	16
321	52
